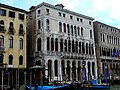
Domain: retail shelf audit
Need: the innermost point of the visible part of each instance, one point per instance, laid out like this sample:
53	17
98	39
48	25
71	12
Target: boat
93	84
56	87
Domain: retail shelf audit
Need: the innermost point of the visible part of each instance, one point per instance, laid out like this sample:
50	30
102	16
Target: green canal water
114	87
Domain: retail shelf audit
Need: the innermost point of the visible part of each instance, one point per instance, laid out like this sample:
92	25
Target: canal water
114	87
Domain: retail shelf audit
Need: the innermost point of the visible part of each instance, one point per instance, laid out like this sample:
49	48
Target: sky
105	11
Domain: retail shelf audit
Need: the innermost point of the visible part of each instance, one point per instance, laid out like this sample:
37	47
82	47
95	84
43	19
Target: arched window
21	43
78	30
39	44
76	47
52	44
69	46
1	41
11	28
68	28
11	25
91	34
50	68
1	58
10	59
73	46
48	43
61	45
75	30
10	42
83	48
39	24
92	49
79	47
21	26
20	60
56	67
1	22
21	29
86	48
56	44
64	25
81	31
60	26
63	67
47	24
93	68
65	46
1	25
71	29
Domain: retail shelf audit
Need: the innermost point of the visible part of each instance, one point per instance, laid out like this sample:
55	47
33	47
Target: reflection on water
114	87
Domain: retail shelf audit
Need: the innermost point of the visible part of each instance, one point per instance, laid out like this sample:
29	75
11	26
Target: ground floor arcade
70	70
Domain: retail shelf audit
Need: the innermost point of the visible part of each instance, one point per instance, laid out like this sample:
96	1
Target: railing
11	31
38	54
2	29
21	32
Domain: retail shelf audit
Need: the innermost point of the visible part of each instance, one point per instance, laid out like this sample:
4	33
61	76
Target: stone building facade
63	42
107	40
12	43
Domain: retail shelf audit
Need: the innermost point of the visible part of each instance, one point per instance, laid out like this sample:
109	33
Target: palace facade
61	41
107	40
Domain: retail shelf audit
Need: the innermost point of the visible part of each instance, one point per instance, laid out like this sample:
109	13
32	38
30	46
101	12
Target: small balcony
2	29
38	54
21	32
11	31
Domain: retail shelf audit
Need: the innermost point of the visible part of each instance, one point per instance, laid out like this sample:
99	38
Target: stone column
76	72
59	70
53	71
91	69
70	70
86	69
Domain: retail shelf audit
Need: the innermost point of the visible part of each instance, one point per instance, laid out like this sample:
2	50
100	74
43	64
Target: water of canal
114	87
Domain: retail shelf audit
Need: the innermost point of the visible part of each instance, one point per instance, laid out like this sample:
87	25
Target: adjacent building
107	40
12	42
62	41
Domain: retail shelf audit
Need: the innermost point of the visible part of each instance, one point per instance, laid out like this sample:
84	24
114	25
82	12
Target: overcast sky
106	11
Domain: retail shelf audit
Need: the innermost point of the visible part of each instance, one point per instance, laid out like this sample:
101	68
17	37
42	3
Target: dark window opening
11	14
59	13
48	43
21	32
47	11
61	45
39	44
63	15
56	44
79	47
20	60
65	44
56	67
21	43
71	17
52	44
69	46
2	12
10	59
21	16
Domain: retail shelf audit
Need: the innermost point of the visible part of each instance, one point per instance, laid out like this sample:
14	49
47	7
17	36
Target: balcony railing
38	54
2	29
11	31
21	32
